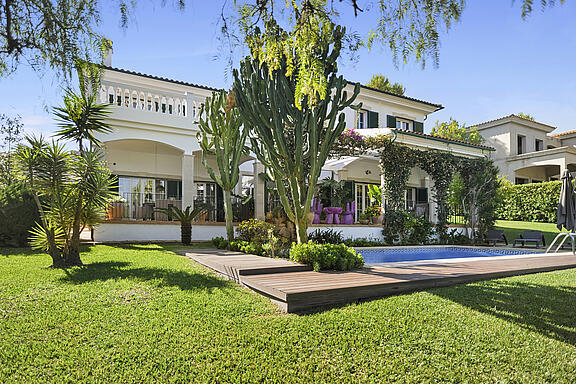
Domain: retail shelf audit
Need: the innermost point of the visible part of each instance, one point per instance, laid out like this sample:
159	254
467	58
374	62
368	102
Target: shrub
419	229
220	242
254	231
529	202
18	213
326	256
327	236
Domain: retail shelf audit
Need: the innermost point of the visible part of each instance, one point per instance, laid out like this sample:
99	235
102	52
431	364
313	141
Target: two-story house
154	151
527	151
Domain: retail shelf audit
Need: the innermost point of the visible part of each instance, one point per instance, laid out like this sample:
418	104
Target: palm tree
185	217
79	119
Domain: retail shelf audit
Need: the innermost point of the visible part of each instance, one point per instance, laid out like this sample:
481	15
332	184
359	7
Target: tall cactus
223	136
293	142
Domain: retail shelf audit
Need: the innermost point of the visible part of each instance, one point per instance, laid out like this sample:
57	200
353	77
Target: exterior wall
140	232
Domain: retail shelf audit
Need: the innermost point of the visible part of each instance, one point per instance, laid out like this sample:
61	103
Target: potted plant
375	213
115	209
364	218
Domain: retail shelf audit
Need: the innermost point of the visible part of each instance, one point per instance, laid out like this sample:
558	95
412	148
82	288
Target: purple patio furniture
333	215
317	209
348	215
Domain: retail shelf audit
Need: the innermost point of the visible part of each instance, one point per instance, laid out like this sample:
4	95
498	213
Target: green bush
18	213
220	242
536	202
327	236
326	256
254	231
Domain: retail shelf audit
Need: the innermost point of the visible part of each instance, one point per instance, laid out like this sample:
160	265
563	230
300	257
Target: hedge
18	213
537	202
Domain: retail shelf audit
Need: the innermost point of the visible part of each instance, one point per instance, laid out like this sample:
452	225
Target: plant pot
115	211
364	221
378	220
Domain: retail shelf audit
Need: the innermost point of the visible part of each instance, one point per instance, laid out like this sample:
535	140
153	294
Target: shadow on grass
548	310
112	270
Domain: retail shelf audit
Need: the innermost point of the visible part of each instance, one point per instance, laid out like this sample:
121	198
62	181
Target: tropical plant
254	231
185	217
326	256
223	136
382	83
375	193
327	236
74	188
293	132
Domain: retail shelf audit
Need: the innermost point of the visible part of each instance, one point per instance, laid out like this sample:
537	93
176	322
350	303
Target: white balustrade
148	100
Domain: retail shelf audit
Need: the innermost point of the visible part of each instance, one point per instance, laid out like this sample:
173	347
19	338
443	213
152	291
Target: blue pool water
387	255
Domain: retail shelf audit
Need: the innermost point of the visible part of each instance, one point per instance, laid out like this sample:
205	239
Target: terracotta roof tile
412	133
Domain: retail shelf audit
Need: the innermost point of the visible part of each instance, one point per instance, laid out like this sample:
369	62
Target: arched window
126	98
156	103
170	105
118	96
178	108
163	105
184	108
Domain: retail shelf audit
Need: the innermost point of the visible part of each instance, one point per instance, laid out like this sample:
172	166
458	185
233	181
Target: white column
187	181
259	188
431	203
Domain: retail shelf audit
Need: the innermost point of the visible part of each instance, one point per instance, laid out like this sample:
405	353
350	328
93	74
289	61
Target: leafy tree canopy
525	116
457	131
382	83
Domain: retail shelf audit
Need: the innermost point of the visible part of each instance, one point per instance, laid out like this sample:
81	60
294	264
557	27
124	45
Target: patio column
259	192
431	203
187	181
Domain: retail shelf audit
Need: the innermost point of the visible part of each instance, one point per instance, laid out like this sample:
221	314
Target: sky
492	63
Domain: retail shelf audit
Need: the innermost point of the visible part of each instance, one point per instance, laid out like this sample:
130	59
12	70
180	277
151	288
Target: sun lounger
535	237
494	236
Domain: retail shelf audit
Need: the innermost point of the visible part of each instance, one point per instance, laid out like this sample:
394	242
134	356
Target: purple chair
317	209
348	215
333	215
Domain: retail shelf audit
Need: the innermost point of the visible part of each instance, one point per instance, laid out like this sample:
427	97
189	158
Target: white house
527	151
154	151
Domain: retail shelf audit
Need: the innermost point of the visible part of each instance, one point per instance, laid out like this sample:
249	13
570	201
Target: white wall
117	232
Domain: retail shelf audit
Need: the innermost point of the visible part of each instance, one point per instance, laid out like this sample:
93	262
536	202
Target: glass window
404	124
361	123
539	145
521	143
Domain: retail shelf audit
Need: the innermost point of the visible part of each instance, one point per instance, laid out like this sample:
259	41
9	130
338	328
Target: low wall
167	231
117	232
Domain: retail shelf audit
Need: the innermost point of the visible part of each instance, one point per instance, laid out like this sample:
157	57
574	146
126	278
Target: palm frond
184	216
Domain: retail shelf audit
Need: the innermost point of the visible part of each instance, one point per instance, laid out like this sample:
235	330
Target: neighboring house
527	151
154	151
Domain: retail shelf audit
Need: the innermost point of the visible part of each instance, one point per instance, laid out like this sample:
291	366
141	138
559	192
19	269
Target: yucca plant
185	217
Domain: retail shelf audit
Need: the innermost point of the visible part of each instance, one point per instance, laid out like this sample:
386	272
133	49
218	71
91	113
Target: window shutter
418	127
372	119
390	121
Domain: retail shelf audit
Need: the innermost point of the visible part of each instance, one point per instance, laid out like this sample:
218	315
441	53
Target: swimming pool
389	255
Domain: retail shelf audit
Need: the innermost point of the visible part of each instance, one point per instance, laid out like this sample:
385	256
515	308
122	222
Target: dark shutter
372	119
421	195
390	121
418	127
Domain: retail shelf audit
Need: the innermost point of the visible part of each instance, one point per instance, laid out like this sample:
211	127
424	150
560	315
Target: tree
63	178
457	131
223	136
382	83
525	116
11	135
291	133
185	217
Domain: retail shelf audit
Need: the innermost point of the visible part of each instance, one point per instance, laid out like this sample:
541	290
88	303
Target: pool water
388	255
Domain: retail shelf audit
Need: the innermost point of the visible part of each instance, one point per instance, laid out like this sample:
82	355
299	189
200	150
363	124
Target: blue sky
492	63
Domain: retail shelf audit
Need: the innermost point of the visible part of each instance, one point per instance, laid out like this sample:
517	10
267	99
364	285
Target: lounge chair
495	235
535	237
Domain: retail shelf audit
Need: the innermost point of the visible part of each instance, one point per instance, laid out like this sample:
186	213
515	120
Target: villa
527	151
154	151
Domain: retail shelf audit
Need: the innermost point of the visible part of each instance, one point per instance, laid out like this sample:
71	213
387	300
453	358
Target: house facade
153	150
528	151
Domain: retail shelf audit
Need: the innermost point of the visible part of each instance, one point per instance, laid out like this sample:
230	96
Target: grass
140	313
513	228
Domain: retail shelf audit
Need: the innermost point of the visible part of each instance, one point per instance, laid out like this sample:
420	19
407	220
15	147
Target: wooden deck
295	288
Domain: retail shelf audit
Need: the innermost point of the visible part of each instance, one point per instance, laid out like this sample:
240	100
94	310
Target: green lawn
139	313
513	228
